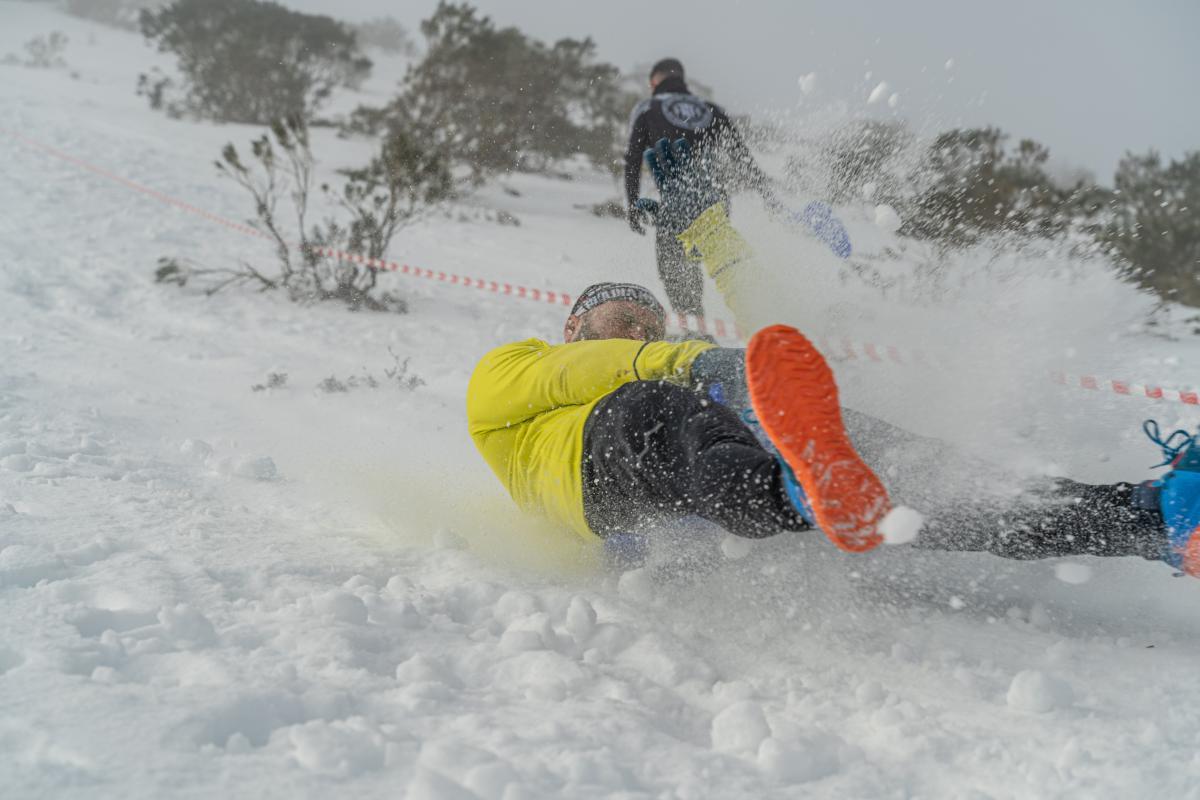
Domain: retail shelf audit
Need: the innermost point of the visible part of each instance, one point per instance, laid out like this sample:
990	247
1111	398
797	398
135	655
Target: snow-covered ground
208	590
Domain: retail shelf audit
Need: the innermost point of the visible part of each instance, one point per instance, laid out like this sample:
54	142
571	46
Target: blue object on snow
819	218
1179	497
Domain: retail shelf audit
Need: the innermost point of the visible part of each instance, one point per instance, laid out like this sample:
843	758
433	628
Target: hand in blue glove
686	185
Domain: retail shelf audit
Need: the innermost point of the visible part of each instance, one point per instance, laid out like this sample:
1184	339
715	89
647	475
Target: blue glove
686	185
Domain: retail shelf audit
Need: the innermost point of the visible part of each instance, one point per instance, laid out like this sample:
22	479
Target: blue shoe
795	493
1179	497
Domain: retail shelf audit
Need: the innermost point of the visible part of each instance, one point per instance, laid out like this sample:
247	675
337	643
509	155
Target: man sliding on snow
617	429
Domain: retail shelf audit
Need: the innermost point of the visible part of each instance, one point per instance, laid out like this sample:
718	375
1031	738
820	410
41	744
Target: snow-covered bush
1155	223
402	182
42	52
250	61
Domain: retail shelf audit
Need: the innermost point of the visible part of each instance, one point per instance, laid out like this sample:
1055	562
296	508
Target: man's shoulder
501	361
638	110
523	347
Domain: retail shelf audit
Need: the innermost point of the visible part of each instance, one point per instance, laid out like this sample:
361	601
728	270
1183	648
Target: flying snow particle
894	100
886	218
1072	572
901	525
878	93
808	83
949	63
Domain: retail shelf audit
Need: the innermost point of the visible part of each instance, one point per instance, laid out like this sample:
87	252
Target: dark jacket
674	113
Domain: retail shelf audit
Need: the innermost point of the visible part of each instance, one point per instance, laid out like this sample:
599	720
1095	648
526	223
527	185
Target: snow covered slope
207	590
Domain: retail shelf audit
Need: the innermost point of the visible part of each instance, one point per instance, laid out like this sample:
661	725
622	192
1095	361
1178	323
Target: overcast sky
1089	78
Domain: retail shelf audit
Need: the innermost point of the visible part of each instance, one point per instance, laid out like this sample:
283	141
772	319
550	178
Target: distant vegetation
249	61
117	13
41	52
480	100
968	185
495	100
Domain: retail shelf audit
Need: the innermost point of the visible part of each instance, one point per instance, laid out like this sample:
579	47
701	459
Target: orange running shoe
796	400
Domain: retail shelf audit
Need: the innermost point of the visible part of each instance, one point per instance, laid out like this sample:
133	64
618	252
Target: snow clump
1038	692
901	525
886	218
799	762
1073	572
740	727
735	547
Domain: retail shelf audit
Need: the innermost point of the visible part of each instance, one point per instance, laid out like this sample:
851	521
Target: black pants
654	450
681	277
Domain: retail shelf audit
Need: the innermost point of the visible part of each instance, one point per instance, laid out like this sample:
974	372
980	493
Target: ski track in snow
209	591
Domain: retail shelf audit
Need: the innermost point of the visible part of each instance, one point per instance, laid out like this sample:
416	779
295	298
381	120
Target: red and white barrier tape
1190	398
688	322
843	350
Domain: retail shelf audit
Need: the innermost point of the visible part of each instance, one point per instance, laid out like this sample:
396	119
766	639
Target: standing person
673	112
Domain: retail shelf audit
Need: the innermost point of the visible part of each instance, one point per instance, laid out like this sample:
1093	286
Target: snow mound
1036	692
1073	572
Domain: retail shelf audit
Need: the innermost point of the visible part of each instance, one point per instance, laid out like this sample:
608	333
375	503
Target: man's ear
571	329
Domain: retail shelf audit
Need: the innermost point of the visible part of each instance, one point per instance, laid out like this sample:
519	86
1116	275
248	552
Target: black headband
600	293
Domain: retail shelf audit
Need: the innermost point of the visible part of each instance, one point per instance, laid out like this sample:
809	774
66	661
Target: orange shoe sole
1191	554
796	400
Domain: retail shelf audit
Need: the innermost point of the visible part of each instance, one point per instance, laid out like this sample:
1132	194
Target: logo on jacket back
686	111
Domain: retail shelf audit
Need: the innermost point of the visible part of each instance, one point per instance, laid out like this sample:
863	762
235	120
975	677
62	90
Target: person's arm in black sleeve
739	153
639	140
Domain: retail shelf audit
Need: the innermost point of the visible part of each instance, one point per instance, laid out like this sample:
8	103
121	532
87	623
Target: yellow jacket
527	402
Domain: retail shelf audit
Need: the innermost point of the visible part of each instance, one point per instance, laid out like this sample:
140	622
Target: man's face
616	319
